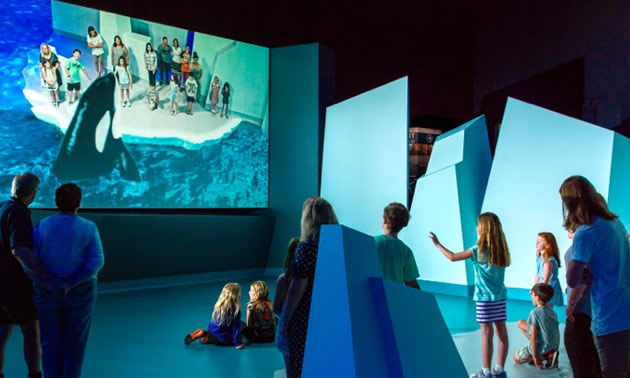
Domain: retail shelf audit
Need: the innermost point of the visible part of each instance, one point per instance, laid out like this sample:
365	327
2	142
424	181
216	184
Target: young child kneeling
541	328
261	321
225	326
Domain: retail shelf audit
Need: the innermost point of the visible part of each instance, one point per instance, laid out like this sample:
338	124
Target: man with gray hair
17	264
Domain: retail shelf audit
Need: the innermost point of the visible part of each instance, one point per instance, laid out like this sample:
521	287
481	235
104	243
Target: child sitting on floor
225	326
261	322
541	328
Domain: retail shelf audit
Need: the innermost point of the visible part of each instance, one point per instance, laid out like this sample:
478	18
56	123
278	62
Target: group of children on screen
490	256
184	70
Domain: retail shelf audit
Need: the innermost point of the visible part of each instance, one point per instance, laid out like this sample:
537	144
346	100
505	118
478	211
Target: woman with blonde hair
600	244
547	263
225	325
315	213
47	55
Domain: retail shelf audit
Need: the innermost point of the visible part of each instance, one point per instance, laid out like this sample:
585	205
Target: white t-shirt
191	87
95	41
176	55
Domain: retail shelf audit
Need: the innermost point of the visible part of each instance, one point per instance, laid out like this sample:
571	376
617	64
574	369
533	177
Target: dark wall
515	41
153	245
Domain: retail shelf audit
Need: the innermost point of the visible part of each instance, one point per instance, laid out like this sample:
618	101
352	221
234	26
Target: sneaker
480	374
496	374
128	104
554	359
188	340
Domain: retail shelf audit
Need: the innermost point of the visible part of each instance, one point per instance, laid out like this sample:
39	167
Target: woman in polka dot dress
316	212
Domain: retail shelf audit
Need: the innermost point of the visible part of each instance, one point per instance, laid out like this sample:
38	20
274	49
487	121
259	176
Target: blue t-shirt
554	282
489	279
604	248
584	305
544	318
68	245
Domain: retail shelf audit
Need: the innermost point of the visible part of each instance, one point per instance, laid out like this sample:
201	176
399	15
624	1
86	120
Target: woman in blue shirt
600	245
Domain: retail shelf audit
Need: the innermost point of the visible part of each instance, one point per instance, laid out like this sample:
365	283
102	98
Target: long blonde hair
228	304
581	202
315	212
491	244
41	49
551	247
261	290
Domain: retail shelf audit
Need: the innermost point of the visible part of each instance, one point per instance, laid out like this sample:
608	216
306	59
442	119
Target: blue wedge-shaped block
363	326
414	333
342	340
447	201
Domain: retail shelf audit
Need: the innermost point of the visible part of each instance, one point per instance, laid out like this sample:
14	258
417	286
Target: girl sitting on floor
261	322
225	326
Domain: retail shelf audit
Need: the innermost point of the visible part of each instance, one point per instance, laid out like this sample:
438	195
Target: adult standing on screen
150	63
164	54
176	60
70	248
16	260
600	244
119	49
95	42
46	55
315	212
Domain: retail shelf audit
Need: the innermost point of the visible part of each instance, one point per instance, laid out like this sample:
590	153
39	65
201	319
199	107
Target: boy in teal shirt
73	69
397	261
541	328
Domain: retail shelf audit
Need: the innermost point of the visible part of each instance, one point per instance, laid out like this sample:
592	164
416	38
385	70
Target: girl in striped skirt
489	258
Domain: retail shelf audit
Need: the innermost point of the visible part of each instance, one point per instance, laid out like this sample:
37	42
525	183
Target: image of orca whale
89	148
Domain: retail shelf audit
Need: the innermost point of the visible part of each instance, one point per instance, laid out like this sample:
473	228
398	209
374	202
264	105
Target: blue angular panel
365	157
618	199
536	151
341	341
414	332
447	201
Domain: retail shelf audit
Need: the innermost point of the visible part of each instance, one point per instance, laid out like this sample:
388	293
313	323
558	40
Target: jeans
614	354
578	341
64	322
165	71
152	78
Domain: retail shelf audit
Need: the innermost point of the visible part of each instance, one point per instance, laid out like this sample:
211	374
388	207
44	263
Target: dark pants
165	72
614	354
578	341
64	322
152	78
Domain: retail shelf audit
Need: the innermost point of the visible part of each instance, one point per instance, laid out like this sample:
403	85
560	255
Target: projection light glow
365	156
536	151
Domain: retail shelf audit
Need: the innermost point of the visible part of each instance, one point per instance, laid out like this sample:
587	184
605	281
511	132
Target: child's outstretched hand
434	239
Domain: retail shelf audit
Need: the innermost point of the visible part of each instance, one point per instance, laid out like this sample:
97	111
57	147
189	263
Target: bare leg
32	349
70	96
486	344
522	325
53	97
5	332
502	347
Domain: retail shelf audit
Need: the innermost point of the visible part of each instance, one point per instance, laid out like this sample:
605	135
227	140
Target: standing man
16	258
165	51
